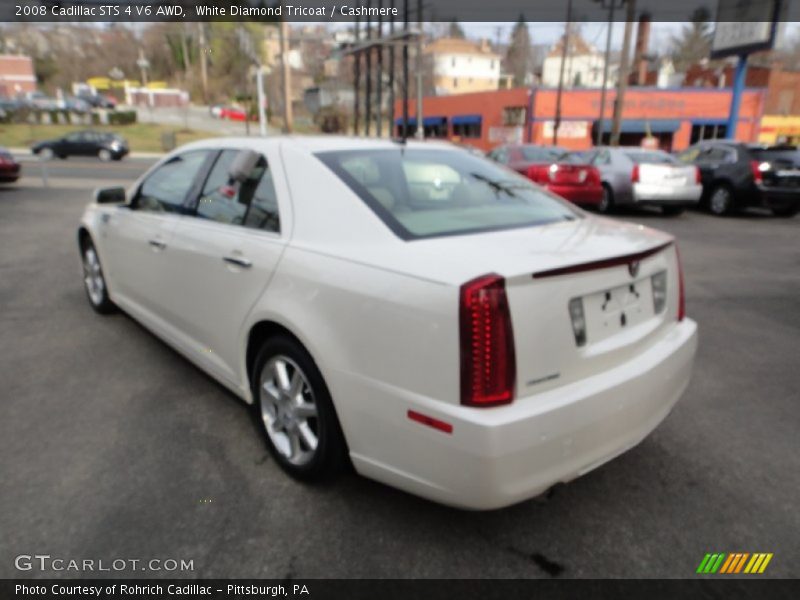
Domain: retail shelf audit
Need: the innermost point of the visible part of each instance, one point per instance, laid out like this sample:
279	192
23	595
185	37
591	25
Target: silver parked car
636	176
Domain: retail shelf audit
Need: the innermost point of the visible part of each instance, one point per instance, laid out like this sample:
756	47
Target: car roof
316	143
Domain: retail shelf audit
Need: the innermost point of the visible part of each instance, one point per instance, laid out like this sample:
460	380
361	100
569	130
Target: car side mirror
110	195
243	165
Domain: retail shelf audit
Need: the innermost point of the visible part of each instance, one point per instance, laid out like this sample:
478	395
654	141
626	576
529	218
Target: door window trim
185	207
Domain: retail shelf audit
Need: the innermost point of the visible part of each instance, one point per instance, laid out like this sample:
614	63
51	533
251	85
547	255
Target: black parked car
736	175
106	146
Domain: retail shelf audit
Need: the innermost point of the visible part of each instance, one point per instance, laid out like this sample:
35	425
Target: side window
166	188
602	158
74	138
719	155
690	155
501	156
252	203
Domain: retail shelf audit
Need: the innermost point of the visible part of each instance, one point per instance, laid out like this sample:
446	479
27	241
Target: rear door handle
157	244
238	261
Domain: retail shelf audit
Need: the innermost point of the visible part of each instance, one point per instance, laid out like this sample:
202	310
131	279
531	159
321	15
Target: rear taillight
635	174
755	168
488	364
681	293
697	177
537	174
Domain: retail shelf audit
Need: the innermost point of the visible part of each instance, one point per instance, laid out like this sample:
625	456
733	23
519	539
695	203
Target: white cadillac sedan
444	324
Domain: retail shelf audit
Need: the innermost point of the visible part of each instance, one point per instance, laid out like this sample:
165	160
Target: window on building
491	64
453	62
455	82
435	127
514	116
708	131
468	126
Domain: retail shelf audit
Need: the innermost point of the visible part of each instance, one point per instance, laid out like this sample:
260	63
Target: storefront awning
433	121
466	120
640	125
412	122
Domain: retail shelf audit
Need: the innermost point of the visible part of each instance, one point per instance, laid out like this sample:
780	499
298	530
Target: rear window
423	193
542	153
651	158
781	155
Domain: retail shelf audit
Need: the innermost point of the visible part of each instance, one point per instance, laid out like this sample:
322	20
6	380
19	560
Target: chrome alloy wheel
93	276
720	201
289	410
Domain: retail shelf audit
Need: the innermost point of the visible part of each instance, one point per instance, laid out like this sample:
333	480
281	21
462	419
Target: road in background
113	445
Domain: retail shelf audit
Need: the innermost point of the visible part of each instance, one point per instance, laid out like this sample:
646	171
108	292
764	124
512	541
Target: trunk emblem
633	268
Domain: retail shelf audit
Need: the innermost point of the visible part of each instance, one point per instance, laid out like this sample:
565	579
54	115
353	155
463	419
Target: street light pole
262	113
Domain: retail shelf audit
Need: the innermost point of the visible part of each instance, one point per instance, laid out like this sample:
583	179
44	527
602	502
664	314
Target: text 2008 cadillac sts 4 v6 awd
445	324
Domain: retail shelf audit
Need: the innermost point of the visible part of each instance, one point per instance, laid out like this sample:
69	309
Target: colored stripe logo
733	563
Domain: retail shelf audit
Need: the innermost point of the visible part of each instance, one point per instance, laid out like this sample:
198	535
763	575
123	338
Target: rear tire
94	280
46	154
672	211
606	205
785	213
720	201
296	411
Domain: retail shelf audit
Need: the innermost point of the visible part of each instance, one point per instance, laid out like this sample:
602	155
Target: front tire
295	408
720	202
105	155
94	281
46	154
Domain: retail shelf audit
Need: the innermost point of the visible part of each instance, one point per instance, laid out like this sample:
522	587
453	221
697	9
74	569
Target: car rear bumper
649	193
499	456
579	194
778	197
9	172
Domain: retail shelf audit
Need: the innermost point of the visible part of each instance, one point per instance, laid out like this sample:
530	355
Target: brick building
16	75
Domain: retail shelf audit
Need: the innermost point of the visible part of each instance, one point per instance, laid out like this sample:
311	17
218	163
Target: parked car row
81	103
719	175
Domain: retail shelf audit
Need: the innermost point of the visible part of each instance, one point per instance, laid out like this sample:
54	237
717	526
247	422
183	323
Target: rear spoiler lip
606	263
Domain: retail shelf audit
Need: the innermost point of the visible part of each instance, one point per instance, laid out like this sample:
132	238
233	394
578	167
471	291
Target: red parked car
554	168
9	167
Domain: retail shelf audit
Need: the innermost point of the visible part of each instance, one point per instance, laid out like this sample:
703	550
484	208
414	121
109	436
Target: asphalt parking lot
112	445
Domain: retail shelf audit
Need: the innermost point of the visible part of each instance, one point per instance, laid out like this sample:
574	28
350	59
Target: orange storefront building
677	117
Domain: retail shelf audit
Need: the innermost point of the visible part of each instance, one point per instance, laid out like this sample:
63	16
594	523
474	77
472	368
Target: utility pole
356	78
420	125
564	50
286	77
405	70
201	29
391	70
368	102
379	78
624	67
599	133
